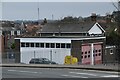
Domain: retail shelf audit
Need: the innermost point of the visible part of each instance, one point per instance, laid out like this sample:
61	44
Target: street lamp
34	54
50	55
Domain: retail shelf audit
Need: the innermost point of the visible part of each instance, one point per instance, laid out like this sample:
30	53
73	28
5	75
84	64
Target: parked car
41	61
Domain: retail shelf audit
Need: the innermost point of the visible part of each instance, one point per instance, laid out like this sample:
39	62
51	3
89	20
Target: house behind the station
72	29
8	31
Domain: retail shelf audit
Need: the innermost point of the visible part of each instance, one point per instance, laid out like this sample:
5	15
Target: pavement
108	67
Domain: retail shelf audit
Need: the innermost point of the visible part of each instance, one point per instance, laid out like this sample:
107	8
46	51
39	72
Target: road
21	72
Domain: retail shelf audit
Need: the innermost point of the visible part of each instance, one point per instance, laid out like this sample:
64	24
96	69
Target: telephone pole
38	12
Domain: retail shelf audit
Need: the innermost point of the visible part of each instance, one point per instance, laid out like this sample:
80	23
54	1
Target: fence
9	57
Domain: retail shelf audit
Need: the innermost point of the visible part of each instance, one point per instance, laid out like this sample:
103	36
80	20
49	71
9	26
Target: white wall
95	30
58	54
46	40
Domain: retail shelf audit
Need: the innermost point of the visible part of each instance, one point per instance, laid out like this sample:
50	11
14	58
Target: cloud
29	10
59	0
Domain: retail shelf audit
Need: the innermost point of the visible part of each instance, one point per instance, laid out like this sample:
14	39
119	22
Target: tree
70	19
113	38
13	46
44	21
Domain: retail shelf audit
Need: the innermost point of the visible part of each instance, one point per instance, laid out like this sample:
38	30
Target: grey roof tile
67	27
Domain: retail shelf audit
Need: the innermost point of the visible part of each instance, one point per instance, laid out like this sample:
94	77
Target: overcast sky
28	10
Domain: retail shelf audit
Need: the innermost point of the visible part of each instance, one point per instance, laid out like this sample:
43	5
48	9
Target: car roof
38	58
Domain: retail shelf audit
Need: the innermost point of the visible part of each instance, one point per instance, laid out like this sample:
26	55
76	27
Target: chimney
93	17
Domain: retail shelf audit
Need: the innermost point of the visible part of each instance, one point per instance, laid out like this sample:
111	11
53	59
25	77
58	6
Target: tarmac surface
102	67
11	69
25	72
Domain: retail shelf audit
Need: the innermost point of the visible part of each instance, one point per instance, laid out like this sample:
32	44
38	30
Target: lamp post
51	55
34	54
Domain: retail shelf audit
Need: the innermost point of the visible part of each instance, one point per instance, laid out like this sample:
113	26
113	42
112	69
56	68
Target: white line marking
28	72
12	70
83	73
22	71
74	76
102	71
110	76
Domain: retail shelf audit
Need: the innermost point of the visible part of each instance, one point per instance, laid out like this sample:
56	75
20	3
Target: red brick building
1	44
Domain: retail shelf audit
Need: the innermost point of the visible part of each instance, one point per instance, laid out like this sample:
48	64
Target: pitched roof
7	28
103	25
82	27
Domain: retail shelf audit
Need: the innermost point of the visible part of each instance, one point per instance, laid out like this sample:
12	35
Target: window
22	44
62	45
47	45
89	52
111	51
99	50
82	52
52	45
42	45
27	45
96	54
36	60
68	45
32	44
88	56
85	56
85	52
15	32
82	57
57	45
96	51
37	44
99	54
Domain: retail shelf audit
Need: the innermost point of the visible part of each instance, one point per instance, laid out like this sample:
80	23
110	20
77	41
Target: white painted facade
96	29
58	54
